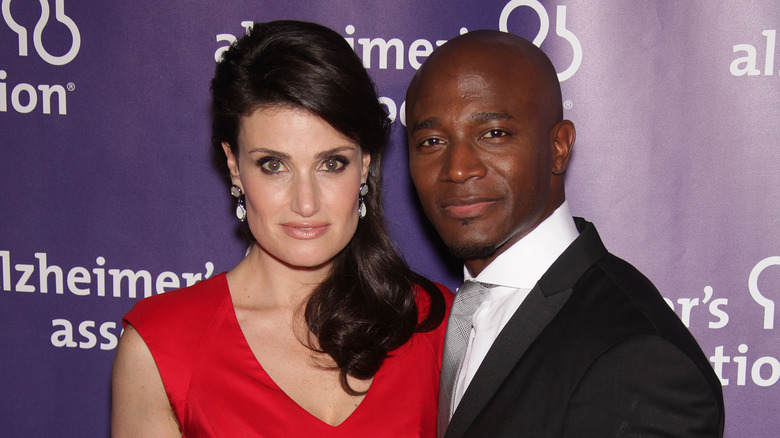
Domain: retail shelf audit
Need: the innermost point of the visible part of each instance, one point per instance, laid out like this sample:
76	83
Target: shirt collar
521	265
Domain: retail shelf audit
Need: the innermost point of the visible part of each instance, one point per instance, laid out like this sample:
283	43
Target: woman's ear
232	164
366	164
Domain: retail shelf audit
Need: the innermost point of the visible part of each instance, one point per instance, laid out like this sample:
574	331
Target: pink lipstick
305	230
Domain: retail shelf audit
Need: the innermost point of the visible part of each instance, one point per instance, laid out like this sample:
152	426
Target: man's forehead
461	64
470	90
473	84
458	86
474	76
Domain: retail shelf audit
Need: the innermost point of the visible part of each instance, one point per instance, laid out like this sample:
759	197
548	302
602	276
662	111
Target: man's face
480	153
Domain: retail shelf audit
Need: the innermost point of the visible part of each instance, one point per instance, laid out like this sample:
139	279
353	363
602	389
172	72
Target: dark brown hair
367	306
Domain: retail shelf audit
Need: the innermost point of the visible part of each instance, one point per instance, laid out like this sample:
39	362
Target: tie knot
470	295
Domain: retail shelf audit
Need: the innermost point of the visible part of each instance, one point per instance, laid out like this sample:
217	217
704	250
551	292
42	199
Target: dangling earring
361	203
240	209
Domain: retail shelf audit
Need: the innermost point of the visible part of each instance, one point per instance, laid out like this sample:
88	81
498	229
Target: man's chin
470	252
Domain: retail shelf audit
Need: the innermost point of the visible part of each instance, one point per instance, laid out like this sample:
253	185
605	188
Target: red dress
218	389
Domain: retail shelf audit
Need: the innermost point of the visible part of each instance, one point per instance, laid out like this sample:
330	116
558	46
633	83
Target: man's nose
462	162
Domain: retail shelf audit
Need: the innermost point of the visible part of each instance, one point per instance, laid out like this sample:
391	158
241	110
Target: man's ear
563	135
232	164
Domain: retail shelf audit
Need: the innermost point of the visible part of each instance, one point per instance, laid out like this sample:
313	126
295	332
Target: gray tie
470	295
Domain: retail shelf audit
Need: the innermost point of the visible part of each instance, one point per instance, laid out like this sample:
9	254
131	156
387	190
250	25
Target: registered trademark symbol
566	104
71	86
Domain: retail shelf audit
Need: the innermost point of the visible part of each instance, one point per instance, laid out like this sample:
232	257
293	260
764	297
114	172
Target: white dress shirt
511	277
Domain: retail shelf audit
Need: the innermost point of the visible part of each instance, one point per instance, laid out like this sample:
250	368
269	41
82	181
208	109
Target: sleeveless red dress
218	389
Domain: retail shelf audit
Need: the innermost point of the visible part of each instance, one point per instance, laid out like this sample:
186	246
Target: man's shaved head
512	51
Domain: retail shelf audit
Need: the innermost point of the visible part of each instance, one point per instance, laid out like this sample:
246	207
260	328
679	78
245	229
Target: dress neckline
266	378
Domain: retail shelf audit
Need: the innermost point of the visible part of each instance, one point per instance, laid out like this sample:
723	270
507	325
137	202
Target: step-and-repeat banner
109	193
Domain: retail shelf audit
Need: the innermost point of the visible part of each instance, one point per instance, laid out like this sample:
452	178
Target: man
569	340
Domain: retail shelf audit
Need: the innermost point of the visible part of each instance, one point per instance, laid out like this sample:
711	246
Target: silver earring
240	209
361	203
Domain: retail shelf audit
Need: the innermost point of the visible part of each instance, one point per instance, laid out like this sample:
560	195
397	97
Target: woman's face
300	178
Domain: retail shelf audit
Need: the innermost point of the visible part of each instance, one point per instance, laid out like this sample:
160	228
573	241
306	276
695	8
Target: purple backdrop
108	192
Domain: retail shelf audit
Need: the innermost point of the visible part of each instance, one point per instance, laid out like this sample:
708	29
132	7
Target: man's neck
548	239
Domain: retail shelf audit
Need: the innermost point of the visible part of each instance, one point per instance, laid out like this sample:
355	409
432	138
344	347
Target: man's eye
495	133
333	164
271	165
429	142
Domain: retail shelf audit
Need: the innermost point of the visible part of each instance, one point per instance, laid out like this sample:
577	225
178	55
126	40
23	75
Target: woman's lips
305	230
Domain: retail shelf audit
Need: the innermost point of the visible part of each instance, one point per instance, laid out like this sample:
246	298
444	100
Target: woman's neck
261	280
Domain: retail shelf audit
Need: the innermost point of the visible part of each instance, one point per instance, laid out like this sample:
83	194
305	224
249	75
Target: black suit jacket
593	351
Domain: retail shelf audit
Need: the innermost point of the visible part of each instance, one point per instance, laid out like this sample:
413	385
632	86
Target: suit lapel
534	314
520	331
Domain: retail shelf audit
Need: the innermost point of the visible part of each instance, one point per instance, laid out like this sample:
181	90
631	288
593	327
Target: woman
322	330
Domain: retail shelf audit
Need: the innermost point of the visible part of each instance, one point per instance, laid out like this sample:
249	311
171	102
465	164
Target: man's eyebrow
426	124
480	117
490	116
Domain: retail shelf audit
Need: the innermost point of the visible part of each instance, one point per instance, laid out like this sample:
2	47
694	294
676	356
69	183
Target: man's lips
305	230
467	208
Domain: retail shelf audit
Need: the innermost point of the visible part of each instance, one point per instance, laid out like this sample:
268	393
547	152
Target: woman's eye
494	133
333	165
271	165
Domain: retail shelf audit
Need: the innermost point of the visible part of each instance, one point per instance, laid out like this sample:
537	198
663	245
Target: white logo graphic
748	64
766	303
59	15
544	19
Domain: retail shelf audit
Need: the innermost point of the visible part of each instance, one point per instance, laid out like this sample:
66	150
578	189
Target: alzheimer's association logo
43	21
544	28
749	63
